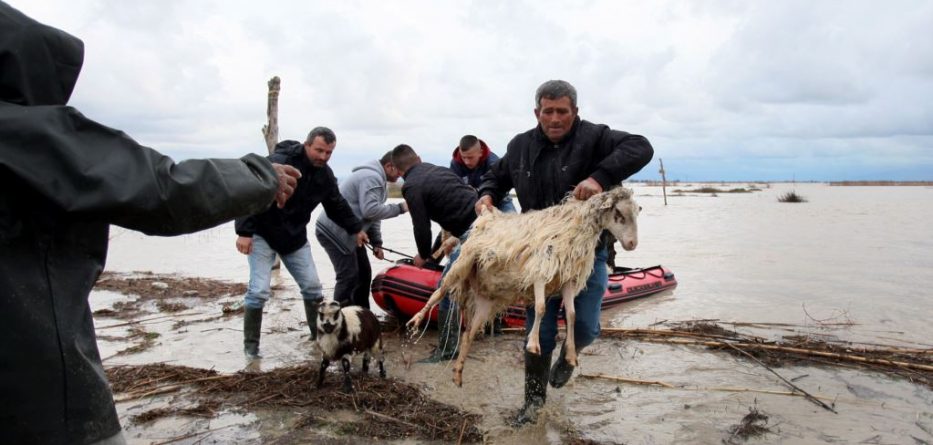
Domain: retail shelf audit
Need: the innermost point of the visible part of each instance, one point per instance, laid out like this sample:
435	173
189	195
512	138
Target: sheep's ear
604	201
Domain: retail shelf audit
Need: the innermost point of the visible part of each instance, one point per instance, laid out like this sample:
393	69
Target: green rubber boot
252	324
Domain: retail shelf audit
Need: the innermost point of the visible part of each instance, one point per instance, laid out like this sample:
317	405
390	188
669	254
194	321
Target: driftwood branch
770	347
270	131
687	388
787	382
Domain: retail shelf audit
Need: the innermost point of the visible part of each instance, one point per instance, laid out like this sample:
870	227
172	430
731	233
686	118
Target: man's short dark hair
467	142
555	89
403	157
386	158
326	133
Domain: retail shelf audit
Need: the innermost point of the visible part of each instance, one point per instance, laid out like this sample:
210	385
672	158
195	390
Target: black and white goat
341	333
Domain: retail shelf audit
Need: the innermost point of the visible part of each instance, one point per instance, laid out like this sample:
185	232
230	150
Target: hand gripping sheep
524	257
344	332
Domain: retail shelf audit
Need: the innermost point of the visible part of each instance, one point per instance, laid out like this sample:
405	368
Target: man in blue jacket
64	179
366	192
284	231
562	155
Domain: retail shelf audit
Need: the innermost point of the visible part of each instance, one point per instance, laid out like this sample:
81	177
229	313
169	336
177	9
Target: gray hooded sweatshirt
365	190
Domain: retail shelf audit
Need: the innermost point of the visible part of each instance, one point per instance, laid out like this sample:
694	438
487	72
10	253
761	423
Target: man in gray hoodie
366	191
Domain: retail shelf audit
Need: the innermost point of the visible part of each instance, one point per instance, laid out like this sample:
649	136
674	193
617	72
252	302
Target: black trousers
353	273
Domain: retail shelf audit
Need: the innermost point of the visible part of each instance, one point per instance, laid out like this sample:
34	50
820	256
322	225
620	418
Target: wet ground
850	265
629	389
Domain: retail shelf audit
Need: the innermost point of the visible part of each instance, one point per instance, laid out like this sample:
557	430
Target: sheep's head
619	214
329	317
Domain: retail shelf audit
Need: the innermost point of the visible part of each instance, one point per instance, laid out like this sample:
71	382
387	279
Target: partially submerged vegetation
169	294
385	409
914	365
754	424
791	197
714	191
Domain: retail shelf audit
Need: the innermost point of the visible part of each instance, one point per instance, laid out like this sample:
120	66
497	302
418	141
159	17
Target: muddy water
853	263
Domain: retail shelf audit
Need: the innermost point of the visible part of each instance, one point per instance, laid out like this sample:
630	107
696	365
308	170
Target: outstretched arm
89	169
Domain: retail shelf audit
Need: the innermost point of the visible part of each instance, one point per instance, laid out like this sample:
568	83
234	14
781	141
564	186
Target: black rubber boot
562	370
536	376
311	314
252	324
448	336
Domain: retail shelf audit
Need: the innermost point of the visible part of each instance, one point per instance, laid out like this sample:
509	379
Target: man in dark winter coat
436	194
64	179
563	154
471	159
284	231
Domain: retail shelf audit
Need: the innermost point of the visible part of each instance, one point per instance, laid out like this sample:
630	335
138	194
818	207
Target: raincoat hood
373	165
40	63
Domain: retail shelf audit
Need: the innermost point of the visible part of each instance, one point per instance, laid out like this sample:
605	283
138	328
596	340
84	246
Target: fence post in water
663	181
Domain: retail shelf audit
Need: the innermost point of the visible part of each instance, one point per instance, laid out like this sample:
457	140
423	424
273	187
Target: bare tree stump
270	131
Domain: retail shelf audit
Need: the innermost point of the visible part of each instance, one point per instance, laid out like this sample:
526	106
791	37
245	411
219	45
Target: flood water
852	263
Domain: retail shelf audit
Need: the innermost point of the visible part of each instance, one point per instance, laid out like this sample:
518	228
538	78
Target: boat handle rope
373	249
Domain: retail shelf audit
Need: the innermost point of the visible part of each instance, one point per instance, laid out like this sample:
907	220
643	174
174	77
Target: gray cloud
754	87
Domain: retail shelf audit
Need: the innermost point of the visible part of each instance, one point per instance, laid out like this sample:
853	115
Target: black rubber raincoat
64	179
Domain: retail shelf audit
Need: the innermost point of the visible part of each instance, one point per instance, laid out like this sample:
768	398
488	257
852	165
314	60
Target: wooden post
663	181
270	131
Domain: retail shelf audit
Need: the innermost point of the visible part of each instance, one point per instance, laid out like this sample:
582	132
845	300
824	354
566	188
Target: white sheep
510	258
341	333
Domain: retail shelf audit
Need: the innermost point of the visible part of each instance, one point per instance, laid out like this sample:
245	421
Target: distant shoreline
885	183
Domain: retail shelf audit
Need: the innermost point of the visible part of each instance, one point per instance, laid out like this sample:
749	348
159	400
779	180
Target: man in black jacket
284	231
64	179
436	194
562	155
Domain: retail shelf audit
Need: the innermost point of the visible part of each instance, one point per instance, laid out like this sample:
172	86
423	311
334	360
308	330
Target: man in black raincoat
64	179
562	155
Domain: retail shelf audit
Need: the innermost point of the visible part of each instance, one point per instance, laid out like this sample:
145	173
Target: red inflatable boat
403	289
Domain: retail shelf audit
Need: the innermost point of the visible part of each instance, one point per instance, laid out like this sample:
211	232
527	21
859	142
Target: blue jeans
588	305
300	265
445	303
506	205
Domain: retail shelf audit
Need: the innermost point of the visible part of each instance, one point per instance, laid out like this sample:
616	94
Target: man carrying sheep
562	154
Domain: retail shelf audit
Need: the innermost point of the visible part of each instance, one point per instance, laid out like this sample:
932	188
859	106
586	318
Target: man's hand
404	207
361	239
244	244
288	180
417	261
586	189
484	202
378	253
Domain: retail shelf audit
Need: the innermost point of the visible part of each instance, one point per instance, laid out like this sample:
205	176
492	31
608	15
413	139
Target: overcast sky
724	90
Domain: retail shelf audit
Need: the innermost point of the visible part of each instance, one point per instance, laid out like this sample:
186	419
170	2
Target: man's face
471	156
318	151
556	117
392	173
